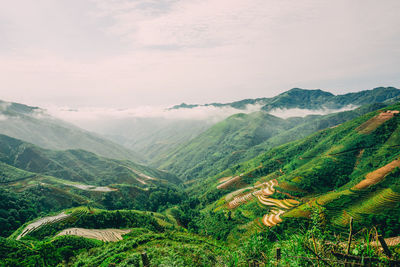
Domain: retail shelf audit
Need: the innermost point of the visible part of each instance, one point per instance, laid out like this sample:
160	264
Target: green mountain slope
349	171
152	138
34	125
34	181
243	136
76	165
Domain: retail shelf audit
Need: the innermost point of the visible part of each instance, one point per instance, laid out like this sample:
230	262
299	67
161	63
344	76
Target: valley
229	196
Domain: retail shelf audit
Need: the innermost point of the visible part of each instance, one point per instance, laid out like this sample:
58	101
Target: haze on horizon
129	53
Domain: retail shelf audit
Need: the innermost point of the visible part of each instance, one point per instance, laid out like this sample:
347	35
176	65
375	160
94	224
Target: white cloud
297	112
83	115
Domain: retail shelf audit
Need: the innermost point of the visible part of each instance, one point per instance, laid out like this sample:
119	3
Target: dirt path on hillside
106	235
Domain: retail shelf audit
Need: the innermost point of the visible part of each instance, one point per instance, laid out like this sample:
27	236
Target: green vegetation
298	196
76	165
242	137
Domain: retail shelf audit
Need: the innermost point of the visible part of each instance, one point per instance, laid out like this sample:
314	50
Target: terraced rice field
330	196
43	221
237	201
106	235
373	123
377	175
375	204
93	188
273	218
283	204
239	198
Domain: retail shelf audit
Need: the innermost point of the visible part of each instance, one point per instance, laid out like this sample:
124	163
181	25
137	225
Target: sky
131	53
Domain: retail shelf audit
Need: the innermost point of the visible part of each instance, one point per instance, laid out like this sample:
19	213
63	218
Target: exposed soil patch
373	123
93	188
377	175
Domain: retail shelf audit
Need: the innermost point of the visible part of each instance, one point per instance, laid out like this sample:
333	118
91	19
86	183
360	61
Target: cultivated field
377	175
373	123
45	220
106	235
93	188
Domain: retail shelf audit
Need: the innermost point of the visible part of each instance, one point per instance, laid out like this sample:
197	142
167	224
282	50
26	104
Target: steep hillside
34	180
244	136
155	138
34	125
349	171
126	234
205	154
152	138
76	165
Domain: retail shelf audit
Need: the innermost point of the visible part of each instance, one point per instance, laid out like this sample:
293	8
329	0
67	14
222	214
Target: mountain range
310	99
224	193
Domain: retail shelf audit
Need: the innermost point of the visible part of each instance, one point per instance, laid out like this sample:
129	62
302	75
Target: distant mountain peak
313	99
307	91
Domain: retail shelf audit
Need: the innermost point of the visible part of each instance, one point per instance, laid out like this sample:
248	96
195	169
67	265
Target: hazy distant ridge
309	99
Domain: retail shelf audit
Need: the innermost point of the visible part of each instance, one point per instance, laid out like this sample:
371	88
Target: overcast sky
128	53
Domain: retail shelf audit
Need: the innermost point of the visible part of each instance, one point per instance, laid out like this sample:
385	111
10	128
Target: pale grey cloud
298	112
147	52
80	116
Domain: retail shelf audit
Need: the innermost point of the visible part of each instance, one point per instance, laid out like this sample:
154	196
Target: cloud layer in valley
94	118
